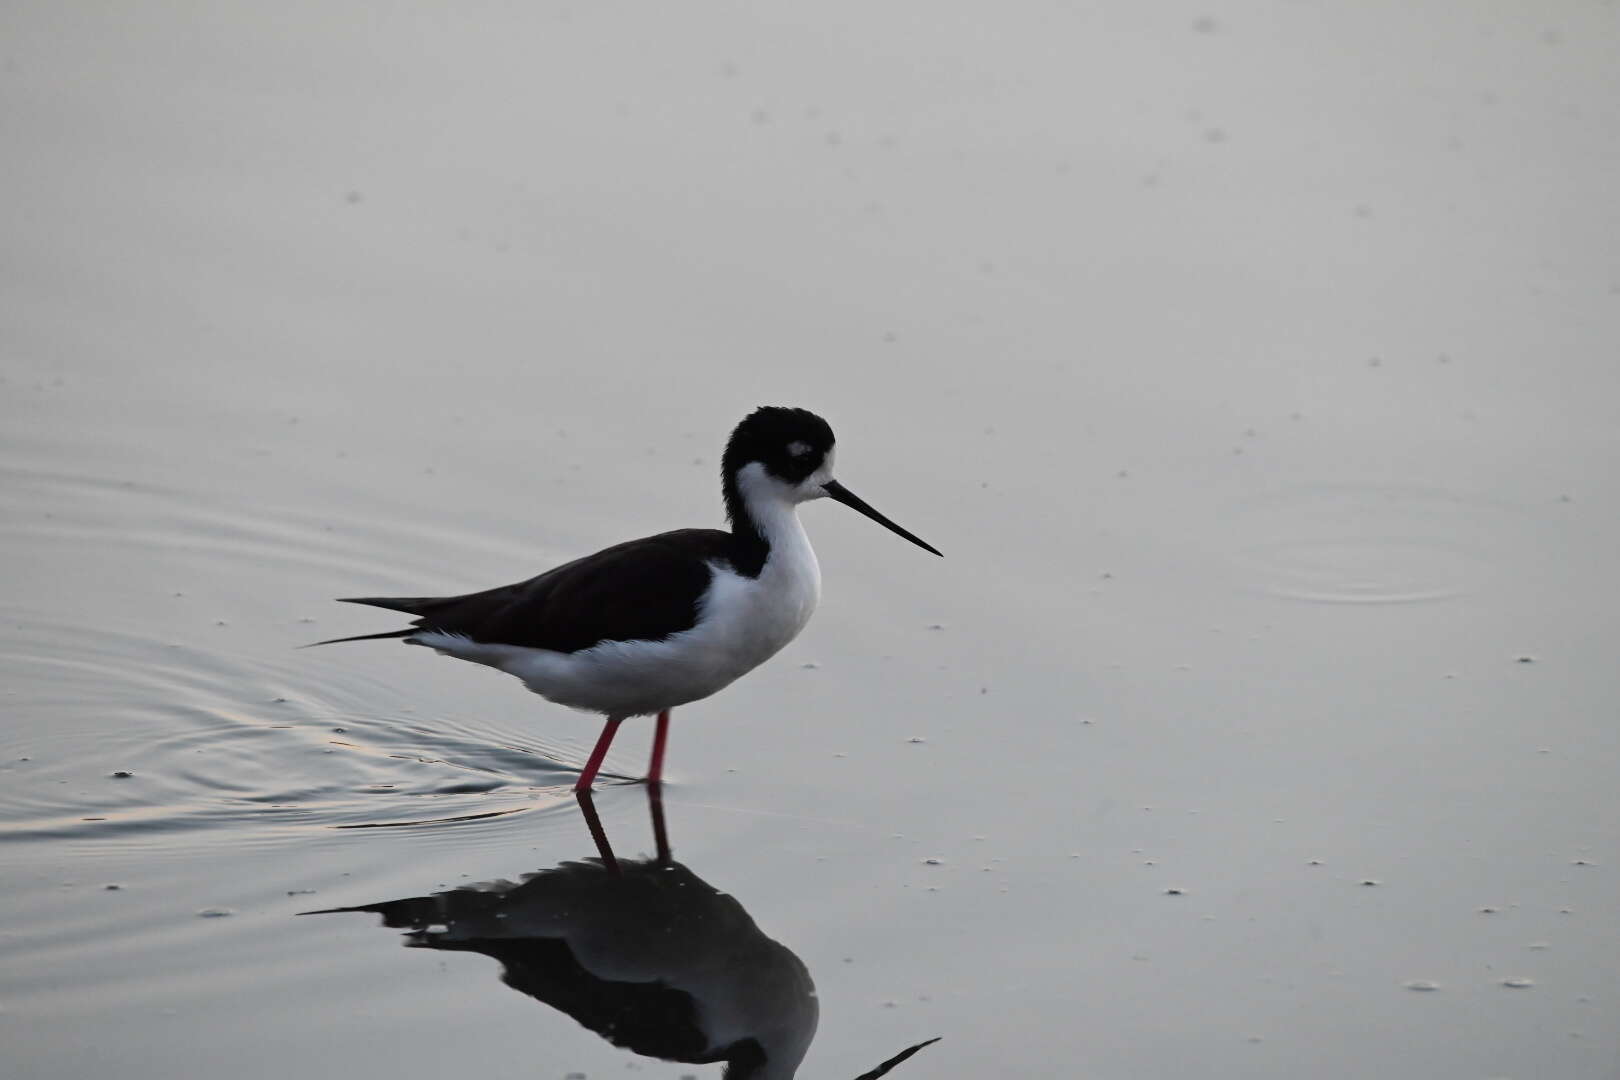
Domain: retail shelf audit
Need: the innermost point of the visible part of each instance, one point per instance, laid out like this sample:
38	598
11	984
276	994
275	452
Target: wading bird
641	627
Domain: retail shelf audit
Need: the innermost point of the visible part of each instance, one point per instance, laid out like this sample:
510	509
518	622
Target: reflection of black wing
640	590
646	1018
650	1019
631	956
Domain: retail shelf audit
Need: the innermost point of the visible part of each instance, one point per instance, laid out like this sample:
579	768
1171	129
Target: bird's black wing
640	590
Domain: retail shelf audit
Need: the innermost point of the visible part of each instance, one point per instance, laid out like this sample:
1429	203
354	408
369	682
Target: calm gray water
1253	364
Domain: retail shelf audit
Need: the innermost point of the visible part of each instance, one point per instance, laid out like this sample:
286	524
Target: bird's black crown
790	443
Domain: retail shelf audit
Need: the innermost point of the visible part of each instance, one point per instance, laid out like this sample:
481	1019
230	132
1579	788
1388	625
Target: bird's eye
798	449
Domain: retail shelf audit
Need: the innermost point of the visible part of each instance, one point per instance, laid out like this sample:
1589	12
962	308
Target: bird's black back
640	590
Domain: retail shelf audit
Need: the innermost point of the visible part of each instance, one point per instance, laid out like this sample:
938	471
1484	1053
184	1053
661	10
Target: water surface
1253	367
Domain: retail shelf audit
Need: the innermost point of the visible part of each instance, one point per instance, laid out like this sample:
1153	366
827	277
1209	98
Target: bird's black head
780	457
790	443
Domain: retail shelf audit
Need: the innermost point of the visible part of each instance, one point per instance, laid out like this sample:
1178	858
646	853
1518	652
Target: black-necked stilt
644	626
641	951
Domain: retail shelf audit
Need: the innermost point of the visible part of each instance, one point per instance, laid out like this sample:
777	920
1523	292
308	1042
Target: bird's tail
410	605
362	637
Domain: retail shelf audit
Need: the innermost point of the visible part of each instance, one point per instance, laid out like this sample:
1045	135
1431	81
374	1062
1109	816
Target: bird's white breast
742	622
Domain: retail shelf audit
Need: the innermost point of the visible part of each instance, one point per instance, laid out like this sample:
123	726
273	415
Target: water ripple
132	741
1368	545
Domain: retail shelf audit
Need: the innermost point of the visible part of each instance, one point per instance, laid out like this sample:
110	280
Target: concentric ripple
136	717
131	741
1368	545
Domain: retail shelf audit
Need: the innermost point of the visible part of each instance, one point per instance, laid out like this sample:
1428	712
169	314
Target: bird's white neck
772	507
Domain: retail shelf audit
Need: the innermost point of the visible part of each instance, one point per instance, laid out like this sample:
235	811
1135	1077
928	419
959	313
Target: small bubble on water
112	887
916	739
1524	659
1488	911
1423	985
1518	983
215	913
122	774
340	731
1581	862
1370	882
1175	892
809	665
1314	862
933	860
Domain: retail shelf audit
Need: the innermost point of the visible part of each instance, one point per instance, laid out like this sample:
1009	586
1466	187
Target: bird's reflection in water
641	951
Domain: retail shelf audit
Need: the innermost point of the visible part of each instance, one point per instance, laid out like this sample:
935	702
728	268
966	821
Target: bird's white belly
742	622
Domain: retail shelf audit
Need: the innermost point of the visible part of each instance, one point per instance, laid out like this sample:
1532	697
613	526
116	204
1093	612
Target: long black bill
842	494
897	1059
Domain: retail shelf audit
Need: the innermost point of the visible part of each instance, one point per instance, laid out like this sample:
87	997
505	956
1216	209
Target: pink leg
603	741
655	772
